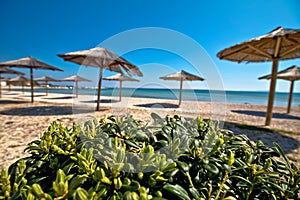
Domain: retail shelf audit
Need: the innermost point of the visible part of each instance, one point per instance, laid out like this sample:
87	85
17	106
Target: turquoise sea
241	97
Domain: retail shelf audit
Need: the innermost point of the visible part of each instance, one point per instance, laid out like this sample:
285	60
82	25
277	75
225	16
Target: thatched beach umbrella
7	71
76	79
31	63
290	74
120	78
46	79
182	76
104	59
20	79
279	44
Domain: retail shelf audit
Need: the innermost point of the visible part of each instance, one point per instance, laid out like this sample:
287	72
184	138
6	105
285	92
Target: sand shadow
12	93
158	105
267	136
36	95
46	111
102	101
12	102
57	98
263	114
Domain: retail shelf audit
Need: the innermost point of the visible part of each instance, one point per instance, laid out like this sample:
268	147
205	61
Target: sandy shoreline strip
22	121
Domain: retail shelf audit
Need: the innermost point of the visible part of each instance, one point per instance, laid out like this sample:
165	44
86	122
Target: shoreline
230	96
70	87
22	121
41	96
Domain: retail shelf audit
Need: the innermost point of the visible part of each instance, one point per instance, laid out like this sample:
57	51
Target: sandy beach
22	121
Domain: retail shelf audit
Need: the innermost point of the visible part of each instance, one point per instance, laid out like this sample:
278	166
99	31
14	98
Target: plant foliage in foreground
122	158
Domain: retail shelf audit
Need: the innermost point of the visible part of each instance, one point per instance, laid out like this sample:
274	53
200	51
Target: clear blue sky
48	27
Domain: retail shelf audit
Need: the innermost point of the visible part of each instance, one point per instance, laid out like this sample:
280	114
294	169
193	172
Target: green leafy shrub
122	158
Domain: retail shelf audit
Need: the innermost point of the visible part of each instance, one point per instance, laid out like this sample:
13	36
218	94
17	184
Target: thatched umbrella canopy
46	79
279	44
7	71
290	74
120	78
182	76
31	63
20	79
76	79
104	59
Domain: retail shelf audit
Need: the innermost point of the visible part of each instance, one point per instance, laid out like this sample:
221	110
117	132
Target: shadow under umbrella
158	105
101	101
12	102
66	97
36	95
263	114
45	111
11	94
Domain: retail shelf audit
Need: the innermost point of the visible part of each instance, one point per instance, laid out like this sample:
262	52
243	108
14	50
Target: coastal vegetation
173	158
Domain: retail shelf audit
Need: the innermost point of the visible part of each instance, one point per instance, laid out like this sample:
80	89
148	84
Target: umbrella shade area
182	76
104	59
120	78
290	74
46	79
31	63
5	70
76	79
279	44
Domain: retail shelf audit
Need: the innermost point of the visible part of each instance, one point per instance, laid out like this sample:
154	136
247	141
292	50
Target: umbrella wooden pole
272	92
290	97
76	85
31	84
120	98
99	88
22	87
46	88
0	87
180	94
9	87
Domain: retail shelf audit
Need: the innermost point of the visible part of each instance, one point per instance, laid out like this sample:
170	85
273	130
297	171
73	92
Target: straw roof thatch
182	75
46	79
28	62
76	78
290	74
103	58
120	77
5	70
261	49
